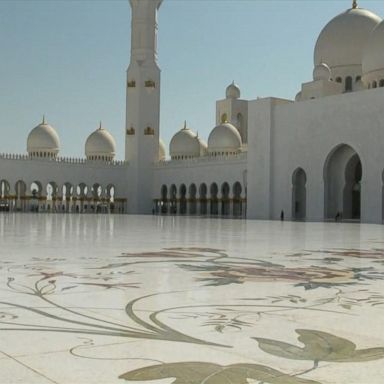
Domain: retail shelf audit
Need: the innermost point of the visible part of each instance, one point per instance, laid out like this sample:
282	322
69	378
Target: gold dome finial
185	124
101	125
43	122
354	4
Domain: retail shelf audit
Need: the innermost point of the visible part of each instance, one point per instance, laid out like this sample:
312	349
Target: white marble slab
104	299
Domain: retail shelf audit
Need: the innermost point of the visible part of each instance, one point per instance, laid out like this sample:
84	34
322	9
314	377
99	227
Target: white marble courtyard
115	299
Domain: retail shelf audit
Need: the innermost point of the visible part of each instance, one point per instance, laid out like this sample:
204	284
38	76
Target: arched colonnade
202	199
55	197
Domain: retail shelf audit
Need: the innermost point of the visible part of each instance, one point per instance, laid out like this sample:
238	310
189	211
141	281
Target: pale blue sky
68	59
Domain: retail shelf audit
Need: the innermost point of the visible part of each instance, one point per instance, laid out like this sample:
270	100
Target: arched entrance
5	200
164	199
299	194
237	205
342	184
203	190
214	199
225	201
183	199
173	199
192	199
21	191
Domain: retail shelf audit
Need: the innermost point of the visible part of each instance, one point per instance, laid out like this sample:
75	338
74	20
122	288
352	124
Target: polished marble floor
130	299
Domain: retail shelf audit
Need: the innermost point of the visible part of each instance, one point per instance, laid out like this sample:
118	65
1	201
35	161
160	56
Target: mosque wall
212	181
69	179
287	136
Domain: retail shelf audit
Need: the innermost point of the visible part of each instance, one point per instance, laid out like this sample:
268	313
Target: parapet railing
208	159
67	160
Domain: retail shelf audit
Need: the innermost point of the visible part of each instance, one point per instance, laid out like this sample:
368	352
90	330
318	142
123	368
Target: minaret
143	104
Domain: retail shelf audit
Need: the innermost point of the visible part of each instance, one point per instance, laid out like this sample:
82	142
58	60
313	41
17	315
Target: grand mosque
314	158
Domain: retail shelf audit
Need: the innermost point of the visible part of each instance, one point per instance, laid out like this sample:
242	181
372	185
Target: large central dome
341	43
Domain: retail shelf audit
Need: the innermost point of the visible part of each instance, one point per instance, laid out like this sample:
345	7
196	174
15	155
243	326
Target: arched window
374	84
381	84
358	78
339	80
224	118
348	84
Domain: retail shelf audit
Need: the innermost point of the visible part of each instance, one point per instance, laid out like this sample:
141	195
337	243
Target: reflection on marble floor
87	299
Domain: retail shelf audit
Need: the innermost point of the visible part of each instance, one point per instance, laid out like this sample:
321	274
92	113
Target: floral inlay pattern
207	308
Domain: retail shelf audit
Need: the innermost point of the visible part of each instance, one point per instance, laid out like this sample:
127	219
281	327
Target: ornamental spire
100	125
185	124
43	122
354	4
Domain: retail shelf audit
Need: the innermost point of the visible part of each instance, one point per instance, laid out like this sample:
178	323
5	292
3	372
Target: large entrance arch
342	184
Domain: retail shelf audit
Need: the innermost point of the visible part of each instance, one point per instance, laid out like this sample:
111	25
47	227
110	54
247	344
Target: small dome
43	141
224	139
100	145
373	59
341	43
185	144
233	91
161	150
322	72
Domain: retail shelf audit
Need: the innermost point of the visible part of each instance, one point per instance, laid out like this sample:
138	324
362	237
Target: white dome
233	91
43	141
224	139
100	145
185	144
373	58
322	72
341	43
161	150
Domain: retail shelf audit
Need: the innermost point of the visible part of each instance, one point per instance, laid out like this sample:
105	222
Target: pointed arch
214	190
237	203
342	183
192	199
299	194
203	190
183	199
225	199
164	199
173	199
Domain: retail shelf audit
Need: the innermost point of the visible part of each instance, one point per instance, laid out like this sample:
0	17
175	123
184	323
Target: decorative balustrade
242	156
66	160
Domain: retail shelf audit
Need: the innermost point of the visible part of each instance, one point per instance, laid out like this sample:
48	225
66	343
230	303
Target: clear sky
68	59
